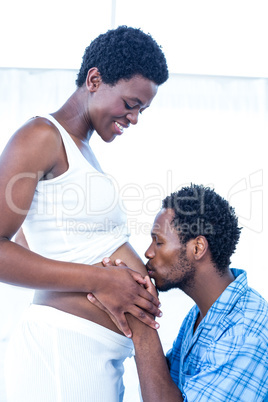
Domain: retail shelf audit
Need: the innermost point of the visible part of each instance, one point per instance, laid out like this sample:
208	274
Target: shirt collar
225	302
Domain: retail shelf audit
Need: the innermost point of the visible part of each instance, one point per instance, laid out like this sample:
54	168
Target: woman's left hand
147	285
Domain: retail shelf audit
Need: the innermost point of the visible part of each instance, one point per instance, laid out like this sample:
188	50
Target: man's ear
200	247
93	79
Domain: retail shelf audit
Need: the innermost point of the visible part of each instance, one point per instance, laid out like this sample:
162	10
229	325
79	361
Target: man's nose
133	116
149	253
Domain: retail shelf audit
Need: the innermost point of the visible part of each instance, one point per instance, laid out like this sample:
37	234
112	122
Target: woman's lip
119	128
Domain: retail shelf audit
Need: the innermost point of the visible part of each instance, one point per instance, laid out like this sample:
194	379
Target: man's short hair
199	210
122	53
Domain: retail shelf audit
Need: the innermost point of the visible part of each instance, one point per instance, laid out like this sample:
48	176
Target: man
220	353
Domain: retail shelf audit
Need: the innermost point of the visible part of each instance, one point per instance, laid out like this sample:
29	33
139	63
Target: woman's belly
77	303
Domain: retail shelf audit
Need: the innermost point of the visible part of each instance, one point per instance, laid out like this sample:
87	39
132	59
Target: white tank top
77	216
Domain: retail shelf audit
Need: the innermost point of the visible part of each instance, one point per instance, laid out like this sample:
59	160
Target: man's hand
150	286
126	291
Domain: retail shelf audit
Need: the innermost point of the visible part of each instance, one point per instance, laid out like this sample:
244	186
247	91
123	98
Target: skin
188	267
168	261
172	265
36	152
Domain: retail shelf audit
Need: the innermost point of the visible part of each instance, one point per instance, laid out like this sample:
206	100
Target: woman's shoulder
38	129
37	143
39	135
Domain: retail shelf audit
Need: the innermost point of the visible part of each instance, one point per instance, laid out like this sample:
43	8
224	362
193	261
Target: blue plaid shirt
226	359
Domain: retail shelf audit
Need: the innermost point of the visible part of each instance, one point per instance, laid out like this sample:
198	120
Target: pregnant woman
65	348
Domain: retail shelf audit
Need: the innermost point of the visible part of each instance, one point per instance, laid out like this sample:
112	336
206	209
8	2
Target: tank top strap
71	148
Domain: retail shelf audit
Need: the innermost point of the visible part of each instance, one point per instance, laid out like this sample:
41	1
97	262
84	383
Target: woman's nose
133	116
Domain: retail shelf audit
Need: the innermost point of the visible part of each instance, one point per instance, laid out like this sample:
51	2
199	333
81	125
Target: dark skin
197	277
36	152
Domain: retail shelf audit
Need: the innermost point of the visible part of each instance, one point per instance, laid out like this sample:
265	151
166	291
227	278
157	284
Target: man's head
123	53
194	224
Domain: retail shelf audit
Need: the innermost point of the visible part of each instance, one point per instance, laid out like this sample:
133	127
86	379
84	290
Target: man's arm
155	380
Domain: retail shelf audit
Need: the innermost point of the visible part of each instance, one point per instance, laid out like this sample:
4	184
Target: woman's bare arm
20	239
32	153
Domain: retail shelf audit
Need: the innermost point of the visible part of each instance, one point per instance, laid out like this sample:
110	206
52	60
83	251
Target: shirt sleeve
234	369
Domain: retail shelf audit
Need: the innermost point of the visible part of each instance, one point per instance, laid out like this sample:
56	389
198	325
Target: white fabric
57	357
79	212
224	116
80	216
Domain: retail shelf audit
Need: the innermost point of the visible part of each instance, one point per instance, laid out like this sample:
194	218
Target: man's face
168	264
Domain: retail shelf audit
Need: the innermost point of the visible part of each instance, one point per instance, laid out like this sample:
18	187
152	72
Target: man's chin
163	287
182	285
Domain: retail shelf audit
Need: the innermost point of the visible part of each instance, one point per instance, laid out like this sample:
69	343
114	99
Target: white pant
54	356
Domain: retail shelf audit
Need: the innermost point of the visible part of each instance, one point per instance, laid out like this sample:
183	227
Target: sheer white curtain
200	129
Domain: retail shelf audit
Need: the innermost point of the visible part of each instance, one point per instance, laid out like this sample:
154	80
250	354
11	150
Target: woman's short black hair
199	210
122	53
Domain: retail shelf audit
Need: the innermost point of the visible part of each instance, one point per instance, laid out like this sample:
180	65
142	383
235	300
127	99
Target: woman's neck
74	117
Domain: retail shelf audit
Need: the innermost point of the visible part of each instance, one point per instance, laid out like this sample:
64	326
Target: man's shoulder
249	316
253	307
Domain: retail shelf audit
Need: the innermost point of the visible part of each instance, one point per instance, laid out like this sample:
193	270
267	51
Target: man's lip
149	269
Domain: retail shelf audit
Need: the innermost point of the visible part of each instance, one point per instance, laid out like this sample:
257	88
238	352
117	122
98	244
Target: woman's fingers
150	294
120	318
122	325
125	295
151	301
95	301
107	262
144	317
148	306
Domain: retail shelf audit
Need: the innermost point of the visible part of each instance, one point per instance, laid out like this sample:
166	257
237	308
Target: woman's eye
128	106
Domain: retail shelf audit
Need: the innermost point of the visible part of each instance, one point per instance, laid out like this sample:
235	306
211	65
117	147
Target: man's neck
207	289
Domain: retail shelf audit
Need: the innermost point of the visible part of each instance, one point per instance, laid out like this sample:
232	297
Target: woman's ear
93	79
200	247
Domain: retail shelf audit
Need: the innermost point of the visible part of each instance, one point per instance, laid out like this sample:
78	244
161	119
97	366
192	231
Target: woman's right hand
123	292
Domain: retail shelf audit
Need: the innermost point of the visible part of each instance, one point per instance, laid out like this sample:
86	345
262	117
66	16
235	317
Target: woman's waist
75	305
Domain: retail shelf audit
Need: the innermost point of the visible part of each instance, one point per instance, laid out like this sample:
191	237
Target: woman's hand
126	291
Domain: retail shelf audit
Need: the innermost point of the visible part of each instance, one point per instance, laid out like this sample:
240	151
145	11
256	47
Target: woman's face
114	108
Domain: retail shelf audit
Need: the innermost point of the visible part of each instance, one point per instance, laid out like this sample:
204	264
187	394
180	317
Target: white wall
201	129
207	125
215	37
